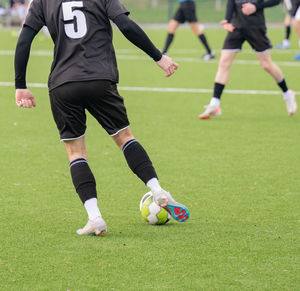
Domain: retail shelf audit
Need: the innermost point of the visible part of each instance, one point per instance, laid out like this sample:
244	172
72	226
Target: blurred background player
84	76
291	8
187	12
285	44
19	9
252	29
297	26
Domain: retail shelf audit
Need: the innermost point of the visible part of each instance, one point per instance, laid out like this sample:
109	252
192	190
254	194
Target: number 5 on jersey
77	27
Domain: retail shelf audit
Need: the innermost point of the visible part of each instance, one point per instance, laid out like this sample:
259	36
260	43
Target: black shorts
256	37
99	97
295	7
186	12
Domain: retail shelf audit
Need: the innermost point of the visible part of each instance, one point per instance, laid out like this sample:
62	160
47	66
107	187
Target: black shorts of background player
83	78
187	12
252	29
290	7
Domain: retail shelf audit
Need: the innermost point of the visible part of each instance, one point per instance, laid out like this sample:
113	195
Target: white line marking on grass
175	51
198	60
167	90
46	53
33	53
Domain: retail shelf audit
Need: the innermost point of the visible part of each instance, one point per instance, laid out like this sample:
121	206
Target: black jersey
235	15
82	34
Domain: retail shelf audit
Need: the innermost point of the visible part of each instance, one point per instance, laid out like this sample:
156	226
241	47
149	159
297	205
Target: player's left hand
24	98
227	25
248	8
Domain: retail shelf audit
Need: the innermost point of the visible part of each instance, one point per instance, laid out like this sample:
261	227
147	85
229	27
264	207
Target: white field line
146	58
167	90
175	51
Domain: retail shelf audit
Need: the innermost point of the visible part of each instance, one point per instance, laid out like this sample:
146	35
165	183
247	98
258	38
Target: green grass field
237	173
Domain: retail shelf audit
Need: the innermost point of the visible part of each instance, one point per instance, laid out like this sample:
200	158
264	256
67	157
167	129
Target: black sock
138	160
168	42
287	32
204	41
218	90
83	179
282	85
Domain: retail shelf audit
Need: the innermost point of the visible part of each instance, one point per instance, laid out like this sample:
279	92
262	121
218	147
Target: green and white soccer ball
151	212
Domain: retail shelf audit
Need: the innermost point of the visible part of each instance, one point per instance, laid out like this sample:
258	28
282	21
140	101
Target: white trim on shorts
263	52
72	138
232	50
119	131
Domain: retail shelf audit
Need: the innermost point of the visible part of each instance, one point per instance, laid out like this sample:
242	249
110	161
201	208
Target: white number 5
77	28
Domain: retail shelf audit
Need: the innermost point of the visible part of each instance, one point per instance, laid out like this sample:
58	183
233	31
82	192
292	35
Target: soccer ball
151	212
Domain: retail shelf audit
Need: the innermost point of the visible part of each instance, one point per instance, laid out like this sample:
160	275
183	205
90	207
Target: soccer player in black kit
83	77
187	12
245	21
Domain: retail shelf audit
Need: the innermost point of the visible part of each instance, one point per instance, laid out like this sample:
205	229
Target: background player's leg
140	164
198	32
221	79
287	27
288	95
85	185
297	29
173	25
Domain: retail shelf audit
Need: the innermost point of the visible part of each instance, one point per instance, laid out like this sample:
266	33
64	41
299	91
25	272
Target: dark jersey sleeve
22	55
137	36
265	4
35	17
229	10
114	8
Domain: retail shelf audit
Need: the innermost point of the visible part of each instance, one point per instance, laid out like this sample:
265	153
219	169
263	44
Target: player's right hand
227	25
24	98
167	64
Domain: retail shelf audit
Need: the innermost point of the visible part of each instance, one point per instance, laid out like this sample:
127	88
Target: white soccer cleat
96	226
284	45
208	57
291	104
177	210
210	111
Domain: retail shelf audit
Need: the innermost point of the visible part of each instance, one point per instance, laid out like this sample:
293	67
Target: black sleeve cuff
157	55
20	84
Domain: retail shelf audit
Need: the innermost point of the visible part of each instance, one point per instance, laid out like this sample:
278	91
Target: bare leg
221	79
195	28
123	137
76	149
227	57
297	27
288	95
199	33
270	67
173	25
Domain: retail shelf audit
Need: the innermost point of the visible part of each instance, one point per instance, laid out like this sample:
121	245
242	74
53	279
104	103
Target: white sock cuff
153	184
286	94
215	102
91	207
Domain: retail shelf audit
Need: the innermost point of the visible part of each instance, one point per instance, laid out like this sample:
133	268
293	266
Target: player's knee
224	65
123	137
267	66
